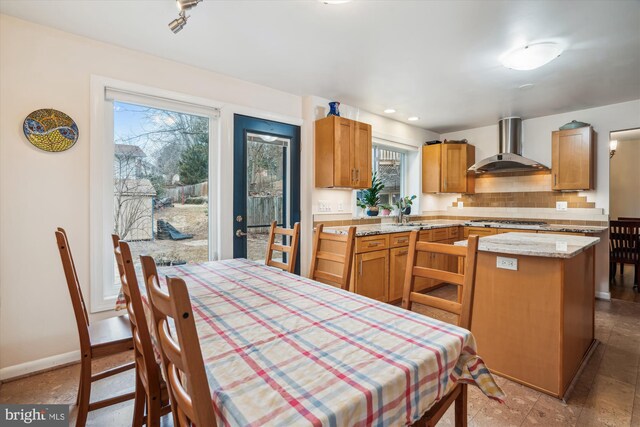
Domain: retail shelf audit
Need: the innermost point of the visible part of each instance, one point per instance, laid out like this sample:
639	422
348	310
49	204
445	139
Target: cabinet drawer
399	239
479	231
372	243
425	236
454	232
438	234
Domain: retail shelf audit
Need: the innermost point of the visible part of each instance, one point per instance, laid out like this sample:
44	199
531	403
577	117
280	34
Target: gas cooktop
507	221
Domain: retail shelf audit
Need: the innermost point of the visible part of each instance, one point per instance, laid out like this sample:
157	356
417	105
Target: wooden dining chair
462	309
624	247
97	339
332	257
151	390
182	357
290	250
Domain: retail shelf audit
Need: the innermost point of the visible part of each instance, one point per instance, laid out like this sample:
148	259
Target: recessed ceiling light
334	1
389	111
531	56
526	86
413	118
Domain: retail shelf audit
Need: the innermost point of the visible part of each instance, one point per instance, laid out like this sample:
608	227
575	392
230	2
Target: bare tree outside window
160	176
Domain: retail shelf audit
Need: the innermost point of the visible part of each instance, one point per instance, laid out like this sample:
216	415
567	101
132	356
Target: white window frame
101	172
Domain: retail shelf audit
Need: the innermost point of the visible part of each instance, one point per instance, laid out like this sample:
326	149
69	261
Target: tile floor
607	392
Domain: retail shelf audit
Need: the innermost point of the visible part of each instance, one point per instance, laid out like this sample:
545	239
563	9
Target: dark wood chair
291	250
151	390
332	257
624	247
97	339
182	357
462	309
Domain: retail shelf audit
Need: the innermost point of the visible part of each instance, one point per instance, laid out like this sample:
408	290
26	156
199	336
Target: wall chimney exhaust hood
509	157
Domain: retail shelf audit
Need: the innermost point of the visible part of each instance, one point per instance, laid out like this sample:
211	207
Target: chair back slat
332	256
624	241
291	250
75	291
149	369
463	308
186	375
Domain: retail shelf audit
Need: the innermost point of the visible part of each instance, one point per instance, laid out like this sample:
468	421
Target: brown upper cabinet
444	168
572	159
343	153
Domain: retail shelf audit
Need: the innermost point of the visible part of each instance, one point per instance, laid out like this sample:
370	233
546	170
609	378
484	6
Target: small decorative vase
385	212
334	109
407	210
372	211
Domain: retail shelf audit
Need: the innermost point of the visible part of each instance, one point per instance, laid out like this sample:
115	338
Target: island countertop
541	245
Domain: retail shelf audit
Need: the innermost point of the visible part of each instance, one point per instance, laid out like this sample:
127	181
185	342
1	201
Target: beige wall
42	67
625	180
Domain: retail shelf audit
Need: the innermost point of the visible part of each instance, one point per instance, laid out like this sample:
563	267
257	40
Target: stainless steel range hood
510	157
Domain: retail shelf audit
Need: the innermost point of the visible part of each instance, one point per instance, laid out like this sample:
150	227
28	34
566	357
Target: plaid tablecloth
284	350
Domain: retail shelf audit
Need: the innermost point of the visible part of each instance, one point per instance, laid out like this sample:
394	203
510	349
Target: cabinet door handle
358	175
403	252
360	268
405	240
555	179
371	244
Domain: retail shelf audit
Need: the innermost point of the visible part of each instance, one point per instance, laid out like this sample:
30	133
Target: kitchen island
533	315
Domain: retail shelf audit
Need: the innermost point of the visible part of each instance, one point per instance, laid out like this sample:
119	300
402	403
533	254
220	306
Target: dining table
283	350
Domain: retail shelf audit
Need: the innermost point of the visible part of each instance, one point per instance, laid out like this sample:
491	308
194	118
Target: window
389	164
151	162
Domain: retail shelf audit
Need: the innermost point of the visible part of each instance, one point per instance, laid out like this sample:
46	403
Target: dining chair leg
461	407
84	392
139	403
153	412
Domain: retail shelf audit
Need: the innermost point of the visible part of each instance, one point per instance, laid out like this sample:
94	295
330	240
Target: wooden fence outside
180	194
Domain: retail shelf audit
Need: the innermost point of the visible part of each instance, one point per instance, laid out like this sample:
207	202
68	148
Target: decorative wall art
50	130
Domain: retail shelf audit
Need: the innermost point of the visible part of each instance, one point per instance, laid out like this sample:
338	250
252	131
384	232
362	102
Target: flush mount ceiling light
183	5
389	111
334	1
413	118
531	56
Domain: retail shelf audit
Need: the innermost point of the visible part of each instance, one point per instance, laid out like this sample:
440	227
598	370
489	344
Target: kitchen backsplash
524	199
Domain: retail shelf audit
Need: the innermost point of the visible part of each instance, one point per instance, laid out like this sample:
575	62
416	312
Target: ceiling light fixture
178	24
332	2
183	5
186	4
389	111
413	118
531	56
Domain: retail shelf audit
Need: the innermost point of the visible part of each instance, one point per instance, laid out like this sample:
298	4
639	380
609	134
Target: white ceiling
434	59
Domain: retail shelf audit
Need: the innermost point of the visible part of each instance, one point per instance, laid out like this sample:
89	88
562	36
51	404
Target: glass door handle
240	233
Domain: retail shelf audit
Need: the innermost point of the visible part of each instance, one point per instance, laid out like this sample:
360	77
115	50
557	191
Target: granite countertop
387	228
541	245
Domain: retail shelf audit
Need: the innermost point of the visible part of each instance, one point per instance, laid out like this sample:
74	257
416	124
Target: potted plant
371	196
404	204
385	209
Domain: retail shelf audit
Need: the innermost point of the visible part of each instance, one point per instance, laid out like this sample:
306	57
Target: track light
186	4
178	24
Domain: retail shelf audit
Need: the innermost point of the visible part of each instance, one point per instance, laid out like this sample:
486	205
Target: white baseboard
603	295
38	365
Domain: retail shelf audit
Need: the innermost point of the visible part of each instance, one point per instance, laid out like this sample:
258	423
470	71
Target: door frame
241	126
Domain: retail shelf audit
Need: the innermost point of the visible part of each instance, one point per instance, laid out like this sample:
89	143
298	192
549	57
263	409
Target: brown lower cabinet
380	263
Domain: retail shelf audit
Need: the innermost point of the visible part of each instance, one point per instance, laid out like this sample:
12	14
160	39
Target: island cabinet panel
535	325
573	158
371	275
342	153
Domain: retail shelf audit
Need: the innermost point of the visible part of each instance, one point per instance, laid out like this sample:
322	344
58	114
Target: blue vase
407	210
333	109
372	212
